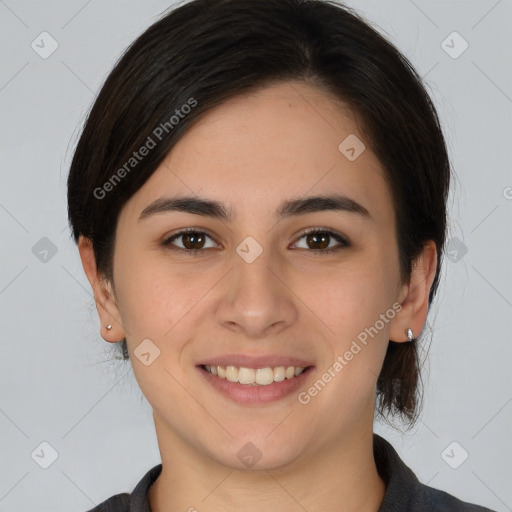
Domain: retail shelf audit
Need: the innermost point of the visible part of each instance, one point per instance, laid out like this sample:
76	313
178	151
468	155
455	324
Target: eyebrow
216	210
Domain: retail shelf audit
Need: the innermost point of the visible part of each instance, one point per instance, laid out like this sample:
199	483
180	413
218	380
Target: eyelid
320	229
176	234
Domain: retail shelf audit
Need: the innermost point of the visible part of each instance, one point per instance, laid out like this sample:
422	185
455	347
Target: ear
104	297
413	297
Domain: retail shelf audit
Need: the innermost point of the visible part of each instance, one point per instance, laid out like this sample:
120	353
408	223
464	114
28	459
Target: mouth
255	386
254	376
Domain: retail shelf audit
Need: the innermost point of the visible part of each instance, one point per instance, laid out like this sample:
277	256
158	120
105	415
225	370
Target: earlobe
110	320
414	295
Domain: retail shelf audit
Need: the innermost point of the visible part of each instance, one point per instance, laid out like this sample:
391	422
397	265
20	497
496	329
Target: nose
257	300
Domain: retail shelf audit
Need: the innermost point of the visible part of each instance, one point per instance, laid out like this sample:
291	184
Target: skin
252	153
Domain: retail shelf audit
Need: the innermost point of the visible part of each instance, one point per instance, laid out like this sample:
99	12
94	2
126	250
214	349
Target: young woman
259	201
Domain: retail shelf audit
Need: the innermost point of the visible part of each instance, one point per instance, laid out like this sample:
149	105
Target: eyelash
196	252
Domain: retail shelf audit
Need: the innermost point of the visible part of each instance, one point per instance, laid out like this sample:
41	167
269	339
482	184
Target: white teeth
246	376
264	376
259	376
279	373
232	373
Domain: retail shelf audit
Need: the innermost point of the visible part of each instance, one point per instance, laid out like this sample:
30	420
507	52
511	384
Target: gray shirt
404	492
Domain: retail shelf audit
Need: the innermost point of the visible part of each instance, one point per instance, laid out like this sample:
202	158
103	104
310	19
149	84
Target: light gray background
57	382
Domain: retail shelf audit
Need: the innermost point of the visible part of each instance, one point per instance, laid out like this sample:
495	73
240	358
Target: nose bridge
254	262
256	298
253	274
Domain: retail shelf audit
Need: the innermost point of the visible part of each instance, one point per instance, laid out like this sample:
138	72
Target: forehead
256	150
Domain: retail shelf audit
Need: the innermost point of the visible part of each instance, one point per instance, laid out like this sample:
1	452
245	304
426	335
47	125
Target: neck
342	476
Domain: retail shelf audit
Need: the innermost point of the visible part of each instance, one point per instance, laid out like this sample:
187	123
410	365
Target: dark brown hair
212	50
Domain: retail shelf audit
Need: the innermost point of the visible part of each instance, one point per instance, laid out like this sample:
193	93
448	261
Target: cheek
353	304
159	301
356	303
351	298
144	295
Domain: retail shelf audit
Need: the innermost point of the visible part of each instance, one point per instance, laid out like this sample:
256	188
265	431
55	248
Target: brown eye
192	242
319	241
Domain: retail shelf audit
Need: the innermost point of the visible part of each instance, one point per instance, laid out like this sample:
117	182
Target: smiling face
258	285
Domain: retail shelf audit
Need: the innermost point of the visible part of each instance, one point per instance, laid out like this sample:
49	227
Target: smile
255	386
255	376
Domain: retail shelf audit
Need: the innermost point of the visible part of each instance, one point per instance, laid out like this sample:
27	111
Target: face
256	289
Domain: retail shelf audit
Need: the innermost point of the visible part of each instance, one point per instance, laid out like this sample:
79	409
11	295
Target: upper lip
255	361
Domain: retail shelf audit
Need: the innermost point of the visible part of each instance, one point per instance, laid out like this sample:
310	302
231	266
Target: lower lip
250	394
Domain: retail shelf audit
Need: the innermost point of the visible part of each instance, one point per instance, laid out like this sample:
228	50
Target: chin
255	453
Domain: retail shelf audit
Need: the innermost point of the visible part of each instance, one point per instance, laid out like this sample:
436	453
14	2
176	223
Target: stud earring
410	334
109	326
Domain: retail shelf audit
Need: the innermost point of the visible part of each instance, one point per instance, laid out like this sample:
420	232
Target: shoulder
405	493
136	501
440	501
117	503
